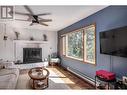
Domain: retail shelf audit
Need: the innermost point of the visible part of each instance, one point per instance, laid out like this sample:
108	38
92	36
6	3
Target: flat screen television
114	42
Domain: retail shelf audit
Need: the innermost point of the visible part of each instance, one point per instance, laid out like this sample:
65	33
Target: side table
54	61
39	77
104	80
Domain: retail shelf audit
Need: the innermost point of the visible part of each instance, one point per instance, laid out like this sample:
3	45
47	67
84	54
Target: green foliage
74	44
90	38
75	41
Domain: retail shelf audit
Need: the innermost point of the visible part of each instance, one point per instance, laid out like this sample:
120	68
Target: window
64	45
74	45
80	44
89	44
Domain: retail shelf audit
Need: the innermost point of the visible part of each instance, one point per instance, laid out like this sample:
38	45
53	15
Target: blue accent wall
108	18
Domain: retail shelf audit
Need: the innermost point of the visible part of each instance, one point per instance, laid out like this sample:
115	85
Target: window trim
63	49
83	59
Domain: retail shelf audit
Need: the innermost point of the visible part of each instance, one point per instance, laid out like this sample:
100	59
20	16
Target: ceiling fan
34	18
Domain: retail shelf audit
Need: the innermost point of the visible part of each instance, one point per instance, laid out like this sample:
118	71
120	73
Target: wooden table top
38	73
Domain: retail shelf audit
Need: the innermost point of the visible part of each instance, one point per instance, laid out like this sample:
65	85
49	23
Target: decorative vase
17	35
44	37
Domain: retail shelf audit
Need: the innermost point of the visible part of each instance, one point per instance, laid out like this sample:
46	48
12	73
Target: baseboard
86	79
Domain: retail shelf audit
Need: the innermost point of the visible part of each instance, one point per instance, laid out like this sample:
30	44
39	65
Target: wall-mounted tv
114	42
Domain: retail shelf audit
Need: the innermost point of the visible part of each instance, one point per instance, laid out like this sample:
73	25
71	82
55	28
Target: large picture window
75	43
80	44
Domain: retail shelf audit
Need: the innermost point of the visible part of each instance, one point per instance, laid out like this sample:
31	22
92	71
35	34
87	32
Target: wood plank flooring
72	80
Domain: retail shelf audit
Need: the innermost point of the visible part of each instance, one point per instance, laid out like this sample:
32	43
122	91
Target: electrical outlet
125	79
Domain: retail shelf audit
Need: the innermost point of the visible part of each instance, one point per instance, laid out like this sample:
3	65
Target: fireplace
31	55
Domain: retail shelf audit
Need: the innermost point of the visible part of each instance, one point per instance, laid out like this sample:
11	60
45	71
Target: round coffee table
39	77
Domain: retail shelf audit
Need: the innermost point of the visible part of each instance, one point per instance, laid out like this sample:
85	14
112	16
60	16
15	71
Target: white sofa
8	76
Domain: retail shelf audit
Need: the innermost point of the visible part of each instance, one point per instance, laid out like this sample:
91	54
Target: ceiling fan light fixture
34	18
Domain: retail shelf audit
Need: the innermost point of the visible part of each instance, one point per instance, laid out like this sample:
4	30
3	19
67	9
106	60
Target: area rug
55	83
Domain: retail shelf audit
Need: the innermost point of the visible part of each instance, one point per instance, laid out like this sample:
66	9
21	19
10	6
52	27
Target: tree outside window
80	44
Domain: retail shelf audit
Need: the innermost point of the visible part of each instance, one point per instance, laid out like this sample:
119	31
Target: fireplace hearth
32	55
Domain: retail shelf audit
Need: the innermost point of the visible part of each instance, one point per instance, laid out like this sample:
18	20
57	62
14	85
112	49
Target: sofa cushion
9	71
8	78
7	81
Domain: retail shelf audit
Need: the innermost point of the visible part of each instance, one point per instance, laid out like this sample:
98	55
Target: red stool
105	76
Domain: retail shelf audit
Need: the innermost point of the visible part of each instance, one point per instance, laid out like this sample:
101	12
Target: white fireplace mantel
28	41
20	44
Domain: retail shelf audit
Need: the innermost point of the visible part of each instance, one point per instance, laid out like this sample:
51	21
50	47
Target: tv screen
114	42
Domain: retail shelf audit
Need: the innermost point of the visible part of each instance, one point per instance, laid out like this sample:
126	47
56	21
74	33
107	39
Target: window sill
74	58
81	60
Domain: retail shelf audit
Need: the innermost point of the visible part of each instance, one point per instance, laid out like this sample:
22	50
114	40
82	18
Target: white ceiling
62	16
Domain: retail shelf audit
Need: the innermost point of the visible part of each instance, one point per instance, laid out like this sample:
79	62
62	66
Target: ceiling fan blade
43	14
43	24
29	10
21	20
21	13
45	20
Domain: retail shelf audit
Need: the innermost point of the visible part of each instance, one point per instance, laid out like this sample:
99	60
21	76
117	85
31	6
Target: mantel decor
44	37
17	35
30	41
5	35
31	38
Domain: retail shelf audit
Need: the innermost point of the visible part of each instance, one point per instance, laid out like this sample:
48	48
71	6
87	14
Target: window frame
64	45
89	26
83	59
67	44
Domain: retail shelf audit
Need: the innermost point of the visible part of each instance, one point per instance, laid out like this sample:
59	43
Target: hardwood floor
72	80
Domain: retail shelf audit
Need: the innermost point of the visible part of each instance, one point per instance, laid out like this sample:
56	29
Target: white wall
7	47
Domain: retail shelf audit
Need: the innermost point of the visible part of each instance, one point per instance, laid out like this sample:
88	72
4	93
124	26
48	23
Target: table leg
47	82
108	85
33	83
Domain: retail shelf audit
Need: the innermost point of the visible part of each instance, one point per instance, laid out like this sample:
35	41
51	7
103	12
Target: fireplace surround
32	55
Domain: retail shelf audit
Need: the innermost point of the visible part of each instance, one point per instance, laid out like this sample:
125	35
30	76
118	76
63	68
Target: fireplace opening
31	55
